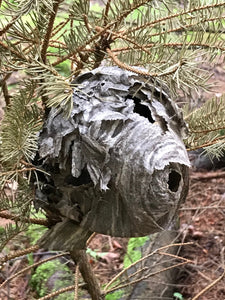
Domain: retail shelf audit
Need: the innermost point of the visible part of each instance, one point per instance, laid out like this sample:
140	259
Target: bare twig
91	238
208	287
18	254
13	51
56	293
143	258
30	267
146	277
125	66
4	30
86	23
215	141
80	257
6	93
203	176
76	280
106	12
13	217
59	27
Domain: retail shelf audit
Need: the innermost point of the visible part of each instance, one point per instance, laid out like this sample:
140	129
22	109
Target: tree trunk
160	285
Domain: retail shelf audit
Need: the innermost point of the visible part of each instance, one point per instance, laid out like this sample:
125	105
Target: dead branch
80	257
18	254
7	215
208	287
30	267
207	176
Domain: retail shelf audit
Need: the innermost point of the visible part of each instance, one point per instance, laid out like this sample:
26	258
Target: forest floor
202	221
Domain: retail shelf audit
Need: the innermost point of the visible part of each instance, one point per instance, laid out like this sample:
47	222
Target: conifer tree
48	43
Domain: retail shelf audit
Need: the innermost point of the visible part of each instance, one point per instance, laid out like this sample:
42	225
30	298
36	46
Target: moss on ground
40	280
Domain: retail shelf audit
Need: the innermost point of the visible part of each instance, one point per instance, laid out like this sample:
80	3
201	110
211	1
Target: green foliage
133	250
34	233
178	296
21	207
207	127
115	295
95	254
65	296
9	232
43	273
19	127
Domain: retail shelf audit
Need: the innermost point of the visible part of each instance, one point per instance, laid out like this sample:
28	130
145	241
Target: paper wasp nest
118	165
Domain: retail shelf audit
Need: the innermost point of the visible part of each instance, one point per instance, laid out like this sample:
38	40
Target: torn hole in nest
142	110
174	181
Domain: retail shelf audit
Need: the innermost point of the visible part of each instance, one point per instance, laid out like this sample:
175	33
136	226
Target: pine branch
30	267
125	66
5	91
11	232
9	216
207	126
179	14
59	27
49	30
10	24
18	254
105	16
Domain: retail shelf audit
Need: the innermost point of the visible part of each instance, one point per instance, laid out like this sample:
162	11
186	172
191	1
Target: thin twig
125	66
59	27
201	208
184	27
143	258
91	238
209	286
56	293
195	9
106	12
12	51
6	93
30	267
211	175
18	171
146	277
10	24
215	141
76	280
18	254
170	45
6	215
86	23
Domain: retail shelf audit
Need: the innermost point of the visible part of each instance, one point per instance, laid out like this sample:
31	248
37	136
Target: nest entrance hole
174	181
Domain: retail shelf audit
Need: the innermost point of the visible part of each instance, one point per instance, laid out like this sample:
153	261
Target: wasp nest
117	165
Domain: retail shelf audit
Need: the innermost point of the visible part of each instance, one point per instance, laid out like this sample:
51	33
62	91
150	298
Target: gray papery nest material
117	165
